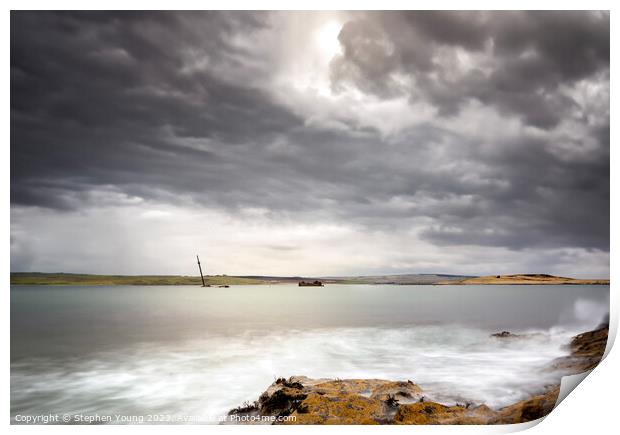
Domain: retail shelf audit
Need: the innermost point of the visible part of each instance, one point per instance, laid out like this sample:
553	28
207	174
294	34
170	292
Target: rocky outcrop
328	401
586	349
435	413
376	401
528	410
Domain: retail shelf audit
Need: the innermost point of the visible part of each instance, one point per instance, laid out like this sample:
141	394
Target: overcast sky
326	143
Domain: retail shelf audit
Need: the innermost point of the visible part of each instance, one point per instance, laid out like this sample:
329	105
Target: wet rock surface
377	401
586	349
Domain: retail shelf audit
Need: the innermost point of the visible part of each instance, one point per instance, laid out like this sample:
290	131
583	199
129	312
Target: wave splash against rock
376	401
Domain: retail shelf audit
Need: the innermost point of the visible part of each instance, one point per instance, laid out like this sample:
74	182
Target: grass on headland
525	279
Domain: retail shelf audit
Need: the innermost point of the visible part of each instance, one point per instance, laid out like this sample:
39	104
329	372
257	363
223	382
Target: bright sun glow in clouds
327	39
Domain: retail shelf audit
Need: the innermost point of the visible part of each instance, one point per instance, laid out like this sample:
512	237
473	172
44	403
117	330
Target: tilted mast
200	268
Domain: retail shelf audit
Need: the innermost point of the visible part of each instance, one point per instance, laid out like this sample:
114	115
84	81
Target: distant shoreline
64	279
528	279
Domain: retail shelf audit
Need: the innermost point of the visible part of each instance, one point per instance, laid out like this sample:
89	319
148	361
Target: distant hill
525	279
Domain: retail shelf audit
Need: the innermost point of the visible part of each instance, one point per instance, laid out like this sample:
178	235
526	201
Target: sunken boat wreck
310	284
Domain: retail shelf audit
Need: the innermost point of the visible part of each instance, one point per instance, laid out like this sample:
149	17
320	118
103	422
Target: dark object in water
223	286
310	284
505	334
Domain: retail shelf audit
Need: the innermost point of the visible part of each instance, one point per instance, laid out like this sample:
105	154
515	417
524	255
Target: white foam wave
210	376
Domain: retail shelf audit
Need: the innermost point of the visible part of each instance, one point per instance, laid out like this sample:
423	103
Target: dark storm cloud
93	93
532	55
166	106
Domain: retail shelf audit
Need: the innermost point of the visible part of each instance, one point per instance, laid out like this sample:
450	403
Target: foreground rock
587	349
376	401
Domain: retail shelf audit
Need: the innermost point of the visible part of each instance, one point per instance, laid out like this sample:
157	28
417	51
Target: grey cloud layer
170	107
526	58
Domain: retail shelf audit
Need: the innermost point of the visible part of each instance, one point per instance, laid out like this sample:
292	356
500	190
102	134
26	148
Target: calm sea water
188	351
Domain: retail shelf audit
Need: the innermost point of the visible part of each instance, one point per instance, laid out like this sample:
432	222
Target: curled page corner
613	328
568	384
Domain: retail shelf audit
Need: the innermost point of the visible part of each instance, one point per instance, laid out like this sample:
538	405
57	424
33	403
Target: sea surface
192	353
